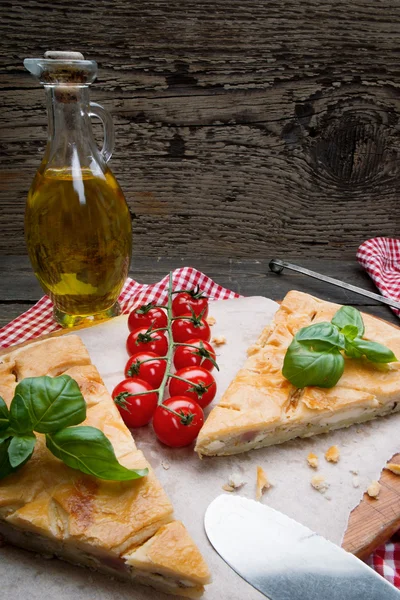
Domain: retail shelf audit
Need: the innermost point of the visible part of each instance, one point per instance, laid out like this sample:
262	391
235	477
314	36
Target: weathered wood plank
249	277
242	128
373	522
8	312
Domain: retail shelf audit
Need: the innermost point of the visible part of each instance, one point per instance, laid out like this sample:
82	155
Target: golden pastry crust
51	500
394	468
261	407
319	483
374	489
262	483
332	454
171	551
312	460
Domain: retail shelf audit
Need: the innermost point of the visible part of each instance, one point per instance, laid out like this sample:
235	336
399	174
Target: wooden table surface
250	277
276	121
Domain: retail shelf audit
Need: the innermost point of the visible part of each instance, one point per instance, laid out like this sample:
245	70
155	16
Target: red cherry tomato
187	356
184	301
147	316
201	387
146	366
136	409
140	340
177	431
188	328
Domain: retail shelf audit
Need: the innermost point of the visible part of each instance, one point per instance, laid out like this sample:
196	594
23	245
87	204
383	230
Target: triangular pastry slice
170	553
262	408
115	527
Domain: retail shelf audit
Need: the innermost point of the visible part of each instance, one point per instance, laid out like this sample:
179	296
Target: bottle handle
96	110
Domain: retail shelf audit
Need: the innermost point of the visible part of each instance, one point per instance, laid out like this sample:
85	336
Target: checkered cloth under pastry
38	320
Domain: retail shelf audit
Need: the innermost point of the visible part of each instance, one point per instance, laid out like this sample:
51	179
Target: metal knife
285	560
277	266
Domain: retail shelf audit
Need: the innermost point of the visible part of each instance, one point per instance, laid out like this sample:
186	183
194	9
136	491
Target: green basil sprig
4	417
87	449
315	355
53	406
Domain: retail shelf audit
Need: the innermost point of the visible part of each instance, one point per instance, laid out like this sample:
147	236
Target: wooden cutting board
371	523
374	521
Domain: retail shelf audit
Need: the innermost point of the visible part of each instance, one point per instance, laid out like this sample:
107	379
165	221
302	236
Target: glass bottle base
67	321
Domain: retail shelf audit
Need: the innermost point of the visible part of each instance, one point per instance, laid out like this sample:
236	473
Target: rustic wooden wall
245	128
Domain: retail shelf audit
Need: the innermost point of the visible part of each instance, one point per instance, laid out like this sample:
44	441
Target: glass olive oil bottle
77	222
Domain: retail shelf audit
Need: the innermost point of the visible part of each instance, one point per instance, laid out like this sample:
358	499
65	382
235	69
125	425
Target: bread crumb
332	454
235	481
395	468
227	487
262	483
219	340
356	481
165	464
312	460
354	471
211	321
373	489
318	482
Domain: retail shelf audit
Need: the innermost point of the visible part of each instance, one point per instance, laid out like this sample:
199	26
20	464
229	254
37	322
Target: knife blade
285	560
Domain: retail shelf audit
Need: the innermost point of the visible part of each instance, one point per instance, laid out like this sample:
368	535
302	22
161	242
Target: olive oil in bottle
78	234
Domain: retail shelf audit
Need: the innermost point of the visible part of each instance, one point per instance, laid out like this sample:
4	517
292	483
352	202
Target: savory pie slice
262	408
125	529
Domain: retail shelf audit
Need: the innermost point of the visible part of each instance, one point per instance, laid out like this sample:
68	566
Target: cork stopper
63	69
63	55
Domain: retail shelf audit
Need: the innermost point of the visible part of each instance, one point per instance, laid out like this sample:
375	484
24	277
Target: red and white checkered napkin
380	257
38	320
386	560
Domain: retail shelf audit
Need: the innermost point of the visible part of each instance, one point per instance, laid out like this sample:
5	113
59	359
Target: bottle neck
70	137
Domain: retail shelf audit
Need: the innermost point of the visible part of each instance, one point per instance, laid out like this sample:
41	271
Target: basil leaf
348	315
5	466
313	363
4	435
20	449
323	332
4	415
88	450
350	332
375	352
20	419
53	402
351	351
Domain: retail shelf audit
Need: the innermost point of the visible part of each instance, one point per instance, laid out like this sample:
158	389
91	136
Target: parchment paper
192	484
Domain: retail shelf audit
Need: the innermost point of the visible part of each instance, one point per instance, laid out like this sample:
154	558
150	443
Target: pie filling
251	440
107	563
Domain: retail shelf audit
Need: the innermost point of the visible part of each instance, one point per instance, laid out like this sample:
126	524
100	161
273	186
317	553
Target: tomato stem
170	352
180	378
196	293
153	358
172	411
202	352
134	369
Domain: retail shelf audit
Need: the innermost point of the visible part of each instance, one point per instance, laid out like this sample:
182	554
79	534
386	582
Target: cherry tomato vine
160	336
